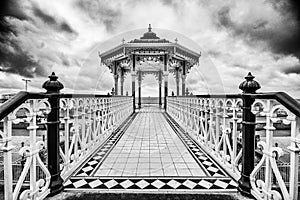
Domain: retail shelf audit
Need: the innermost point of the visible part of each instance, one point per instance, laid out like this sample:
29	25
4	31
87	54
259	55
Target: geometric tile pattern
149	147
207	163
211	179
152	184
96	160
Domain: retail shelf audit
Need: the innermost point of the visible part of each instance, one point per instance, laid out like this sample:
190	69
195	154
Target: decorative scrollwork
208	121
87	122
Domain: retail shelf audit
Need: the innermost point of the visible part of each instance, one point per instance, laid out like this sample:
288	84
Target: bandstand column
133	80
183	84
166	79
177	82
116	77
140	88
159	88
183	76
122	82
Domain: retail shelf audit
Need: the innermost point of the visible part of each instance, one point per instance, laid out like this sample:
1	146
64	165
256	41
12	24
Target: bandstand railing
75	125
224	126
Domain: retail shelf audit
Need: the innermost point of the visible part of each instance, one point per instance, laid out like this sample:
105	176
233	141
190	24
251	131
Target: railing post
294	154
53	87
249	86
7	158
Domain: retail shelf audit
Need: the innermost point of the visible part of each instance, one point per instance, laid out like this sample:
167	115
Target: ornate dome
149	37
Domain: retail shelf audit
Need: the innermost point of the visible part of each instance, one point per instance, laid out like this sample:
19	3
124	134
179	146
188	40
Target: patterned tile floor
150	152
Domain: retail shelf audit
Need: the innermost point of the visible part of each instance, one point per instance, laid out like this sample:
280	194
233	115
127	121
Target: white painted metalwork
85	123
265	189
28	113
212	122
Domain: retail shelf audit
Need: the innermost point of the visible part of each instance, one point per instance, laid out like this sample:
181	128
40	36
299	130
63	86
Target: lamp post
26	82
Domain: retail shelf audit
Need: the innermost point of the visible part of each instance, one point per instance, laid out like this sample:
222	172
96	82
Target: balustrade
84	123
212	122
87	123
215	123
218	123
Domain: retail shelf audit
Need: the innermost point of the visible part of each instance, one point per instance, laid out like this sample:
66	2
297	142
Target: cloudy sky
234	37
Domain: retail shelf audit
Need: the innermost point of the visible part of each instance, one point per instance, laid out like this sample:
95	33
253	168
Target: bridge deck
150	153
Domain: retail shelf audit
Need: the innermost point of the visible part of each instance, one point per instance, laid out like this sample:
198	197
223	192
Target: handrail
11	104
85	129
286	100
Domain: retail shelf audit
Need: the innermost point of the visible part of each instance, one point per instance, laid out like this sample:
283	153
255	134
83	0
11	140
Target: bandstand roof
149	45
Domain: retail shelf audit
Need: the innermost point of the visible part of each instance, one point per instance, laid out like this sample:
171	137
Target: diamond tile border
207	163
216	180
155	184
92	164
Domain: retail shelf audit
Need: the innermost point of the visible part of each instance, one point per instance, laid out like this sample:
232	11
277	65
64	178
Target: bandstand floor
149	153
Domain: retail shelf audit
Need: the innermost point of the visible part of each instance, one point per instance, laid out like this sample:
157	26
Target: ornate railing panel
30	114
85	122
212	122
273	186
215	123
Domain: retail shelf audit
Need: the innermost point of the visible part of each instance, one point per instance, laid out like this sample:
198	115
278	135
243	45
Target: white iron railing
264	189
85	123
29	113
88	122
213	123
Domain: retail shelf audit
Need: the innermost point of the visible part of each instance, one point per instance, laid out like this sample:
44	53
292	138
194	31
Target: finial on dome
149	28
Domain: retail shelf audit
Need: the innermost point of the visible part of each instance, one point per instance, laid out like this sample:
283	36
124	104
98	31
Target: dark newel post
53	86
133	81
166	80
249	86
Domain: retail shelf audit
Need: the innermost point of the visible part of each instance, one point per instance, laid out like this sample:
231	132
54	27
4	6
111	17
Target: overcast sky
234	37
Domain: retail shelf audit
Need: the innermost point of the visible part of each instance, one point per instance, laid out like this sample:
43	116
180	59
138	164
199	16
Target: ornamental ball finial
249	85
149	28
53	85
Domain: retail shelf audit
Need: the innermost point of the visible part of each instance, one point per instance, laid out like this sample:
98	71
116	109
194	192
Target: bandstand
150	55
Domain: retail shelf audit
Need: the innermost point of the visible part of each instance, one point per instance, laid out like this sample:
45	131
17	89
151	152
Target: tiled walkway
149	147
150	153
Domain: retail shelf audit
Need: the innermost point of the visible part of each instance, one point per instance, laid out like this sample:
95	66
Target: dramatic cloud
56	24
105	12
235	37
13	58
279	28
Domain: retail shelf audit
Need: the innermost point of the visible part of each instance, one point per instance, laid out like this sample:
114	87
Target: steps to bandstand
145	196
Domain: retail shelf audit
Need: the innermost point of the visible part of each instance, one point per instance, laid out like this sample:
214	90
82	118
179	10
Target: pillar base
244	186
56	184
